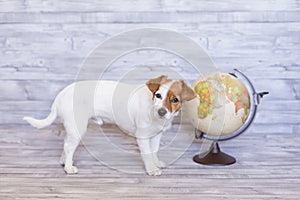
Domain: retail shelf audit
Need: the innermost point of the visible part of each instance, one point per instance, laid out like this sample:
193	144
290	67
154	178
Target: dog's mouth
161	117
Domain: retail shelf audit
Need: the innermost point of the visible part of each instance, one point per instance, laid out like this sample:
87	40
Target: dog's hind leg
72	140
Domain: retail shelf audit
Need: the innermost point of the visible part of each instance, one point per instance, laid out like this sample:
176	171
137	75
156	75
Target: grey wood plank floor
268	167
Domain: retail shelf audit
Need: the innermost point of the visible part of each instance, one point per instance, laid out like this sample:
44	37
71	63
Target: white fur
129	106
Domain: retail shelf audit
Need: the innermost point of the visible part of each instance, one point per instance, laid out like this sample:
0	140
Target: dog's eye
175	100
158	96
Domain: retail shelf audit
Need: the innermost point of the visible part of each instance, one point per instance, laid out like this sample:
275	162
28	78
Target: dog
145	111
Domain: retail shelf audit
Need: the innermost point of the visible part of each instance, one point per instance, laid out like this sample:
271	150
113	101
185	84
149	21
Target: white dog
144	111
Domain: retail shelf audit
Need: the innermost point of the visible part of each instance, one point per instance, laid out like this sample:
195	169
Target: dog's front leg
147	156
155	142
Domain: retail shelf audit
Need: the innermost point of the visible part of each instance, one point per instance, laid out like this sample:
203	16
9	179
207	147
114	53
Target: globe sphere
221	106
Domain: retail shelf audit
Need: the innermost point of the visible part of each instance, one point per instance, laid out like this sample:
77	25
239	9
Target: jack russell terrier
144	111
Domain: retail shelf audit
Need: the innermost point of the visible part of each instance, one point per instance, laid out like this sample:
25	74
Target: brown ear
154	84
187	92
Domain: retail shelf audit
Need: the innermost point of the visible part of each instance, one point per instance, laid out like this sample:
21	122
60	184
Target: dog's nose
162	112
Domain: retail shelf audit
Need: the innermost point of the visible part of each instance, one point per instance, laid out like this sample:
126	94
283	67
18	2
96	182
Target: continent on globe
212	90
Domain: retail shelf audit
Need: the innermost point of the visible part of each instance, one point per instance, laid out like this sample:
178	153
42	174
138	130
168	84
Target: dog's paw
71	169
160	164
154	171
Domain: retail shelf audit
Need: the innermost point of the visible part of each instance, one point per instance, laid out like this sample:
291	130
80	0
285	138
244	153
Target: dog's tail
41	123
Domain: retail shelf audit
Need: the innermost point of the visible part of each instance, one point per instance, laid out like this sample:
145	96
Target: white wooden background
44	42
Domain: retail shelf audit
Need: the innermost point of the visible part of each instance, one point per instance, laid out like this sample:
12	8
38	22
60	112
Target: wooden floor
268	167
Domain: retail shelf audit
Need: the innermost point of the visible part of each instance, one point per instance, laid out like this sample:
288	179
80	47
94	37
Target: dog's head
168	96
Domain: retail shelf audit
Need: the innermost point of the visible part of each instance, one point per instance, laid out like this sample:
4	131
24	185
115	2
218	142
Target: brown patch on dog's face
173	99
178	93
155	83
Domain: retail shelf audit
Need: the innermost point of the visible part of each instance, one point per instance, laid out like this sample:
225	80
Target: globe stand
214	157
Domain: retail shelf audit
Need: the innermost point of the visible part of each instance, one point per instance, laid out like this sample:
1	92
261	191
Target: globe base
215	157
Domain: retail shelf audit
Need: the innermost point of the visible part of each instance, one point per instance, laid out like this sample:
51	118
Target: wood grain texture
148	17
141	6
267	168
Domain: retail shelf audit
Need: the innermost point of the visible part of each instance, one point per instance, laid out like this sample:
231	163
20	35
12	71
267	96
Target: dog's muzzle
162	112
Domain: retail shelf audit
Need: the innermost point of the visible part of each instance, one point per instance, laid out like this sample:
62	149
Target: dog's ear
154	84
187	92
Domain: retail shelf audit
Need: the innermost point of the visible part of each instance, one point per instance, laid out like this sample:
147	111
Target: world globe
222	103
224	107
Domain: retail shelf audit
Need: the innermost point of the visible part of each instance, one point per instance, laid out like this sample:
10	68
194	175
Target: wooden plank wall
44	42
